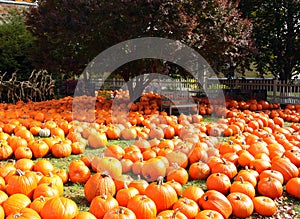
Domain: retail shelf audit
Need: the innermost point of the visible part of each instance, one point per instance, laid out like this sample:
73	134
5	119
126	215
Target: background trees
15	41
276	29
70	33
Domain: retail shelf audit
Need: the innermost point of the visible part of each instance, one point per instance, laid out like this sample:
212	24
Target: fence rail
280	91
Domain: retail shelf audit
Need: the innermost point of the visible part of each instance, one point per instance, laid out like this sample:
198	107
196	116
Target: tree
15	41
276	33
70	33
221	35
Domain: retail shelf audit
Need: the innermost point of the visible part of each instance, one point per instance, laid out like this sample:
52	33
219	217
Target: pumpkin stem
224	160
19	172
125	184
160	180
242	179
17	215
121	210
175	212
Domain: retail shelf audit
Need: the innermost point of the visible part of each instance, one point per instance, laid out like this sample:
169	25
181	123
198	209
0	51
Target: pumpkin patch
143	163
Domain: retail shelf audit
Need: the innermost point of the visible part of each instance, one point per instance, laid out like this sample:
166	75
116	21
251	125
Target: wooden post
274	89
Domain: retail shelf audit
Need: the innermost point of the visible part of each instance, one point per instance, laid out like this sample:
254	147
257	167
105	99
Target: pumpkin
44	132
59	207
219	182
61	149
101	204
24	213
139	184
3	196
163	195
39	148
15	202
97	140
115	151
242	205
153	168
243	186
5	150
123	195
24	164
38	203
174	214
179	174
193	193
187	206
226	167
109	165
55	180
286	168
214	200
292	187
264	206
142	206
45	190
22	182
120	213
209	214
85	215
177	186
23	152
272	173
2	214
99	184
79	172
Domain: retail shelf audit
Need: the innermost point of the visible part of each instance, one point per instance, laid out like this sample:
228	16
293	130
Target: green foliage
277	35
69	34
15	41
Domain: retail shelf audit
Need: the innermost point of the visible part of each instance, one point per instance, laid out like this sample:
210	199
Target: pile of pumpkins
244	173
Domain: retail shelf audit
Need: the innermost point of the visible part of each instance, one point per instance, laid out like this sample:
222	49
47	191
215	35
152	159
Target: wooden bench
179	100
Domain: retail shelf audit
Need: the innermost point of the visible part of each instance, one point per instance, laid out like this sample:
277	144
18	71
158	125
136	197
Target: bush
15	42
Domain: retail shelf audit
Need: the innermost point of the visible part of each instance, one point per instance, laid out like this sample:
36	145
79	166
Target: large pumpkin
22	182
59	208
214	200
292	187
99	184
162	194
143	206
24	213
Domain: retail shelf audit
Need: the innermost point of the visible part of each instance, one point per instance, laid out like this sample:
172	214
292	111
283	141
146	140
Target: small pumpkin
44	132
292	187
209	214
242	205
264	206
219	182
101	204
120	213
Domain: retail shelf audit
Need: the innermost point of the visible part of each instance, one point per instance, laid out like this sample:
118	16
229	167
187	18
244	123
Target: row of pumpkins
243	175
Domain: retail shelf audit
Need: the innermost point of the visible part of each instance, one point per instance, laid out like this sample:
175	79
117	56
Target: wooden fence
283	92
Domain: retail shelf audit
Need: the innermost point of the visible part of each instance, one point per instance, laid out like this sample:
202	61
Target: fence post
274	89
